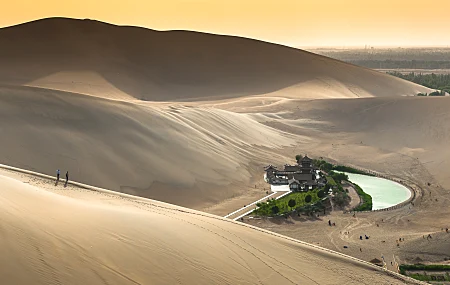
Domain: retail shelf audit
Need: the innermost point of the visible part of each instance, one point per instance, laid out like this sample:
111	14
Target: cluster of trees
350	170
425	267
338	177
366	204
334	180
323	165
341	197
417	270
327	167
435	81
301	202
310	209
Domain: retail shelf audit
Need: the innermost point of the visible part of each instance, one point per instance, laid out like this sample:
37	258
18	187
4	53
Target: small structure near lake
302	177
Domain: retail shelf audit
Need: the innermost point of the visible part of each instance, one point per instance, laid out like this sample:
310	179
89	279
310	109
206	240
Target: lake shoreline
413	192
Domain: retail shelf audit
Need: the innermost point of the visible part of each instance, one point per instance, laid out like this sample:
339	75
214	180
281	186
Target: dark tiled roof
270	167
306	158
291	168
303	177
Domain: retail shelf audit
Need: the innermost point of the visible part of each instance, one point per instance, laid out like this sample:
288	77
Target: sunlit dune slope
188	156
368	130
96	238
118	62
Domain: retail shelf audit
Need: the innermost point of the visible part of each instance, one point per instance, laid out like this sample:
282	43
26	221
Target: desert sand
69	235
191	119
158	132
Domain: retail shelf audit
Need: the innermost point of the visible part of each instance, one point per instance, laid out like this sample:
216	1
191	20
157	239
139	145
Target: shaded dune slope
117	62
187	156
99	238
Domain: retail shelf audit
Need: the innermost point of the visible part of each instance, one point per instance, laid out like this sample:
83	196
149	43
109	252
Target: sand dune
104	60
411	128
193	154
56	235
188	156
191	119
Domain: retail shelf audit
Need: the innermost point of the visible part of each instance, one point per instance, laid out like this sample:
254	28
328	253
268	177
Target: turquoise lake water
385	193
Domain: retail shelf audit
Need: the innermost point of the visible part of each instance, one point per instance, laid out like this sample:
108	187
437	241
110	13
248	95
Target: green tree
327	167
292	203
275	210
308	199
338	176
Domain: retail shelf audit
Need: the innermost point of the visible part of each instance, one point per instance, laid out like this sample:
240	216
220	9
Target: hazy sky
290	22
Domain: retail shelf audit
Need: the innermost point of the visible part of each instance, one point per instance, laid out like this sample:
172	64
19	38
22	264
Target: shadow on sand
291	219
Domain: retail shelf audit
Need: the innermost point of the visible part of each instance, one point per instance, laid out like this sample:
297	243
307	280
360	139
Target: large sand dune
191	119
188	156
194	154
124	63
56	235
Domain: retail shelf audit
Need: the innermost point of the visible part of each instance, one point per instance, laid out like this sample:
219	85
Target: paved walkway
244	211
278	191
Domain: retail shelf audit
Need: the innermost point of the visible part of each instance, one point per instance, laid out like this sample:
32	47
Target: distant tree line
392	58
385	54
402	64
435	81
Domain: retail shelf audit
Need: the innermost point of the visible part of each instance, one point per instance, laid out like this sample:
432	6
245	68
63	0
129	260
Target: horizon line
292	45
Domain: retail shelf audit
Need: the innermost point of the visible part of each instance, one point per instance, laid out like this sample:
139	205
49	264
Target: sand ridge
93	236
104	60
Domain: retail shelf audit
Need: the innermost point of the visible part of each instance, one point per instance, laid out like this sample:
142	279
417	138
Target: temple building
300	177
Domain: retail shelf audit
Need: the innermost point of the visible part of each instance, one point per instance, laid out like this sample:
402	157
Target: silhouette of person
57	175
67	176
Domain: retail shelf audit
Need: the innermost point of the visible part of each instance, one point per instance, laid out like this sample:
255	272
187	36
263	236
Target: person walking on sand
67	176
57	175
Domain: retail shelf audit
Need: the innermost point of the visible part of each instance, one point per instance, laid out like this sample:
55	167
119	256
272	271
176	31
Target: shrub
437	93
308	198
292	203
321	194
366	198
